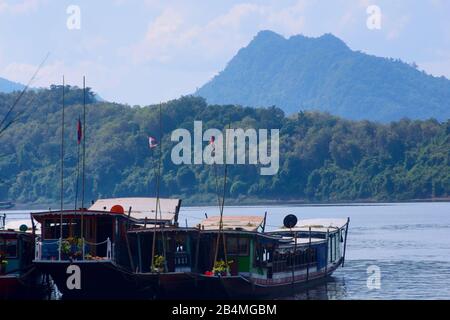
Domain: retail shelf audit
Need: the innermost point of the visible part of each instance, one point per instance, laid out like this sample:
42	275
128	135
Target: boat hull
98	280
29	286
242	288
189	286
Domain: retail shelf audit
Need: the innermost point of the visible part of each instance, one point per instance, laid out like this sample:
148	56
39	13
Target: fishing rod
3	127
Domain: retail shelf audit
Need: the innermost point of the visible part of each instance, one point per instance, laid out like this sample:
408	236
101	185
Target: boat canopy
245	223
317	225
14	225
141	208
67	214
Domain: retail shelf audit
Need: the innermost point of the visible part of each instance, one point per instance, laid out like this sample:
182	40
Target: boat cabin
98	233
276	257
238	234
330	232
16	248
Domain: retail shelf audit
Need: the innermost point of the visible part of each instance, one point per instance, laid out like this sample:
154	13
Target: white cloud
171	33
162	35
20	7
52	73
395	28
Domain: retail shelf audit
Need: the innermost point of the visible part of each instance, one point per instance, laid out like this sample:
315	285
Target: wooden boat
258	264
114	259
301	256
19	279
262	264
89	255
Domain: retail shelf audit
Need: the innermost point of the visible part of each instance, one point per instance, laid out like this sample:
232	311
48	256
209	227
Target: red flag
152	142
79	131
212	141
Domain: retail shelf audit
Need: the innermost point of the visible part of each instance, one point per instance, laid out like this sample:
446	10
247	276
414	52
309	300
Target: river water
394	251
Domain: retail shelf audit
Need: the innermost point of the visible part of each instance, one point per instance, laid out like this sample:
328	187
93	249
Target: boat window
9	247
262	255
238	246
52	229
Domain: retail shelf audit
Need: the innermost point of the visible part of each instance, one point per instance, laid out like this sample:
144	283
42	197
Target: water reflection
333	289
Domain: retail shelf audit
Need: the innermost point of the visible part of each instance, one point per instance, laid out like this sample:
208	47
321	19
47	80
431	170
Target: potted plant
66	249
3	263
222	268
158	264
72	248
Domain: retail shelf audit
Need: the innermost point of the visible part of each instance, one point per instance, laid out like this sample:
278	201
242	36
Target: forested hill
324	74
323	158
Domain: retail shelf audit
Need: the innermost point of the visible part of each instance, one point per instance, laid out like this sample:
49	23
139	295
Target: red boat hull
10	287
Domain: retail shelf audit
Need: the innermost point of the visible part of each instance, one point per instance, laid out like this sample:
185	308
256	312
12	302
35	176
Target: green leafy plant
66	248
221	267
72	247
158	264
3	262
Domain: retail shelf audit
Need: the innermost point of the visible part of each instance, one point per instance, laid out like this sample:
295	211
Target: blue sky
143	52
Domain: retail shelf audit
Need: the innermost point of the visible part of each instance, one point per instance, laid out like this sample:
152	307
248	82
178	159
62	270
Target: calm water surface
409	243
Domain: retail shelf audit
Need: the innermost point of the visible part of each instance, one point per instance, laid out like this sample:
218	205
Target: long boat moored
19	279
87	252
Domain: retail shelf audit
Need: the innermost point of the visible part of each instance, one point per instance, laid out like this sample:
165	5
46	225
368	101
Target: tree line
323	158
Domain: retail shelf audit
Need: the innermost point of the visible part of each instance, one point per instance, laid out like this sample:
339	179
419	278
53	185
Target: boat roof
316	225
14	225
302	241
141	208
245	223
56	213
13	228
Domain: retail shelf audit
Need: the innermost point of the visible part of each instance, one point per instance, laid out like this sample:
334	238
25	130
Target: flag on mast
79	131
212	142
152	142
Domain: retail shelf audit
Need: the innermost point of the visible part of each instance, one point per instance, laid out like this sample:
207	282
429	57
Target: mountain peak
324	74
332	39
268	35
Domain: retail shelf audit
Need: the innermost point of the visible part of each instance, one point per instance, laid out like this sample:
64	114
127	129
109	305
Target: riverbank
190	202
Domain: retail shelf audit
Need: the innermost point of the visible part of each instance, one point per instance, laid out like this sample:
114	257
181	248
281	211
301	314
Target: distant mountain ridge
7	86
324	74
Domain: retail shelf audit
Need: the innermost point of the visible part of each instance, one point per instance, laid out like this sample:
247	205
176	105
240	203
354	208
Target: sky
142	52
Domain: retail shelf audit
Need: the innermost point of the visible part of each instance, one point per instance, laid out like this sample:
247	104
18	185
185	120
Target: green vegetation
322	157
323	74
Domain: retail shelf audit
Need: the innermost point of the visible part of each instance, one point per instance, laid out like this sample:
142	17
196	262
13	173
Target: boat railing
67	250
283	265
182	259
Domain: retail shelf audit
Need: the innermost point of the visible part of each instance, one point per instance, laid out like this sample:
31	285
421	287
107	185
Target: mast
78	169
158	177
62	172
84	158
345	241
221	207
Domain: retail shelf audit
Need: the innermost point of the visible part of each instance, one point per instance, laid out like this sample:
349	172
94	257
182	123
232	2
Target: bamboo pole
308	256
62	173
345	241
84	156
328	246
138	237
128	242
